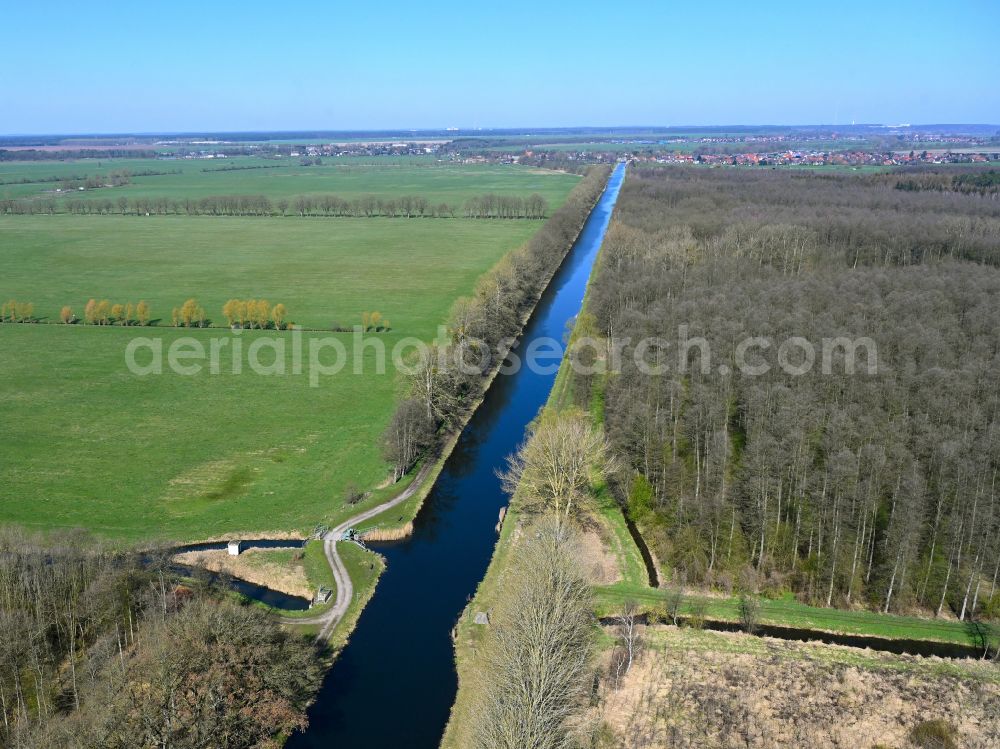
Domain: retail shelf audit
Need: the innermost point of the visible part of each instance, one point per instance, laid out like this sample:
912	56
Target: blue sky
113	67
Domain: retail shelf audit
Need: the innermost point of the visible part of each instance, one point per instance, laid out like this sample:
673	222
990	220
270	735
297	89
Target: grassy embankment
364	568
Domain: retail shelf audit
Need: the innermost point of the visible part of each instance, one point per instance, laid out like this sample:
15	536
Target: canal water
394	683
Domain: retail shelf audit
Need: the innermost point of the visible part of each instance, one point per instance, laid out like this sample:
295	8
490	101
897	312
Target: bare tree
629	641
749	613
533	673
554	468
407	436
674	601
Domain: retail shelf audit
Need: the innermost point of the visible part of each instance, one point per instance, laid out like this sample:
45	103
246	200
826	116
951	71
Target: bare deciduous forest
99	649
867	488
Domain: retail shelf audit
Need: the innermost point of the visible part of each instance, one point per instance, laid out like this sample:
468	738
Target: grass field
89	444
664	639
788	612
325	270
284	178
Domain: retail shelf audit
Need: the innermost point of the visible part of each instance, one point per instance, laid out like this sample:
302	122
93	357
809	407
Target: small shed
322	596
482	618
235	547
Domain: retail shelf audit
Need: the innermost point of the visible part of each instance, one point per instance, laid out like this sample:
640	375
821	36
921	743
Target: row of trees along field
15	311
38	154
439	391
239	313
102	647
374	322
89	181
254	313
878	489
105	312
93	182
408	206
95	312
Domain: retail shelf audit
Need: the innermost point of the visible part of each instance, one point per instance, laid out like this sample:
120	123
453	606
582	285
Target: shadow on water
268	596
262	543
394	683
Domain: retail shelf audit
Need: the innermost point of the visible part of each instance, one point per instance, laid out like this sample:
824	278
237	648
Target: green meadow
286	177
325	270
87	443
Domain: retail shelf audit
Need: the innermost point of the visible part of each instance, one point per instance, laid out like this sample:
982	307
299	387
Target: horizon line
523	130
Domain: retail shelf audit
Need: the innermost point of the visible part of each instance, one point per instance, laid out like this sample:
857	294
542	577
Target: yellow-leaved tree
263	313
189	312
278	315
103	312
231	311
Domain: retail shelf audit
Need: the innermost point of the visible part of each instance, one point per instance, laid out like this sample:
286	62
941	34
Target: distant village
307	152
709	150
824	158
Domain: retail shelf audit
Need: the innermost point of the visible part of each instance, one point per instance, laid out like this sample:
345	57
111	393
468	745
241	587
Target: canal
394	683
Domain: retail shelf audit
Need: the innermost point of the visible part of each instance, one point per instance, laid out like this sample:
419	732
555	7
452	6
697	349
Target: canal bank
399	661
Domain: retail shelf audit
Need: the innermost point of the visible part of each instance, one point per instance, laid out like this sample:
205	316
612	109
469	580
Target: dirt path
329	619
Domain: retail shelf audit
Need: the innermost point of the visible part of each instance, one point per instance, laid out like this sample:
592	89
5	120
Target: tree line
253	313
118	178
532	675
876	489
105	312
72	181
34	154
440	388
506	206
374	322
105	647
15	311
368	206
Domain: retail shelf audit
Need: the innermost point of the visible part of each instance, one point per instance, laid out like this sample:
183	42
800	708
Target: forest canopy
878	488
